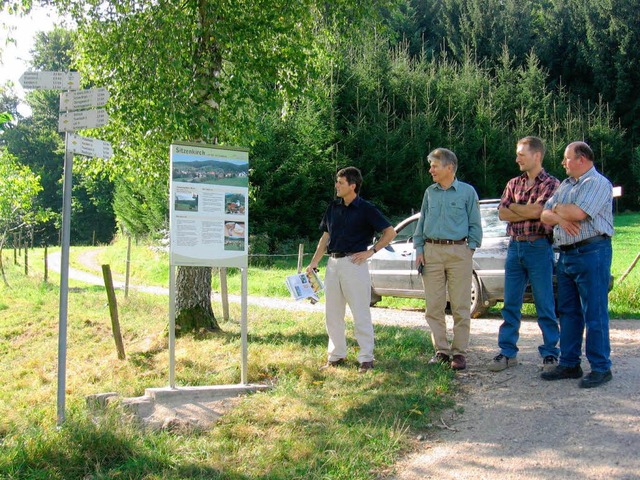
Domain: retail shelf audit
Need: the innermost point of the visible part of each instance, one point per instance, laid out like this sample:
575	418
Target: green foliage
5	118
36	143
387	110
19	185
142	208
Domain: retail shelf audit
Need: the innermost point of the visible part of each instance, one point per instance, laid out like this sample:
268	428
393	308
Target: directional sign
50	80
72	121
83	99
91	147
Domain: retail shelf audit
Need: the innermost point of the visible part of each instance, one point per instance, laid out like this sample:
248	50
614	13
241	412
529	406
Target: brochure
305	285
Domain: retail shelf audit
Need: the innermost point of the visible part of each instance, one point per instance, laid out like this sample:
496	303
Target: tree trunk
193	300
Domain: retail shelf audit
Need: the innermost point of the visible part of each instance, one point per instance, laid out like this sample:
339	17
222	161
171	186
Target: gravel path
512	425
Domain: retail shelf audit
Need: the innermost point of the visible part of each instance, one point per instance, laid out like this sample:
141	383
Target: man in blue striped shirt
581	213
448	232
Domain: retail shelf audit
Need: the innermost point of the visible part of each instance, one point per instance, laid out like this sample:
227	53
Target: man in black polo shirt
349	225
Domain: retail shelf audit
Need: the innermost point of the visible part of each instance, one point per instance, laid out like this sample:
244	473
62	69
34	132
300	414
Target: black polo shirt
352	227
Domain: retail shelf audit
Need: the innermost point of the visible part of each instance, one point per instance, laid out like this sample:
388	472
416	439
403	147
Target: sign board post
69	122
64	282
208	221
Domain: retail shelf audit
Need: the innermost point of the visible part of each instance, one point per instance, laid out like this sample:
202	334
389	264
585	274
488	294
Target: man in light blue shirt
448	232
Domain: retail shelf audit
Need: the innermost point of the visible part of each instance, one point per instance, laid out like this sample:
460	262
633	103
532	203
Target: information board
209	216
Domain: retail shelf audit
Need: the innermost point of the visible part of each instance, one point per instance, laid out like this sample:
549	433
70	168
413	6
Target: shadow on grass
110	448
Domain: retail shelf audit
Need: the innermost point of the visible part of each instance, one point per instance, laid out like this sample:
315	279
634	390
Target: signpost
50	80
70	122
89	147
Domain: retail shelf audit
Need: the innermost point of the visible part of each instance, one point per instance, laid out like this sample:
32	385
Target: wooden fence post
224	293
300	256
113	310
46	264
126	277
631	267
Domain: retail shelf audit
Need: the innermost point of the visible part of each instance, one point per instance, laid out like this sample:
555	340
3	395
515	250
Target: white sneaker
549	363
500	362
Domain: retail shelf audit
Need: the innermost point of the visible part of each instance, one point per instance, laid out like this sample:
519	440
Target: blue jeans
529	262
583	301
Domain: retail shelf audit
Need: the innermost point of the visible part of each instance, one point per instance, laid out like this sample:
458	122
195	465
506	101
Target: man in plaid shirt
529	256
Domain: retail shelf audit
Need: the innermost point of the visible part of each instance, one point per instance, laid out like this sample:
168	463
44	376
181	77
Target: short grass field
311	425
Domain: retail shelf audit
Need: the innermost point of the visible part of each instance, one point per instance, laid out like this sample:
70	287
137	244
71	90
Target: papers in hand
305	285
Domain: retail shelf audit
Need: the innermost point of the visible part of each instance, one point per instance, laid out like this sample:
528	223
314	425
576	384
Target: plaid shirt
517	191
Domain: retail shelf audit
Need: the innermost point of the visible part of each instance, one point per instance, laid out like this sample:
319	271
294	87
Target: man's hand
572	228
361	257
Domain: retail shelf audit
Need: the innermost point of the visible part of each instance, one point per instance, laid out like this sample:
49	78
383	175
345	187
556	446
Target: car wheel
478	308
375	298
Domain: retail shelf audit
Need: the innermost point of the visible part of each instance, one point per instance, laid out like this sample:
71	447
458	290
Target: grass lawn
312	424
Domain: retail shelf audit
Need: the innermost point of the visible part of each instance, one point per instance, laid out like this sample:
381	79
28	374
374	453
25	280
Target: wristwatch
374	249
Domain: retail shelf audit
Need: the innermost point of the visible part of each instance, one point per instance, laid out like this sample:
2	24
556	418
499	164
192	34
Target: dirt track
517	426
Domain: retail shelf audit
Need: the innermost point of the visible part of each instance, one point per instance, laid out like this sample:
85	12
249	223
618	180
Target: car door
392	269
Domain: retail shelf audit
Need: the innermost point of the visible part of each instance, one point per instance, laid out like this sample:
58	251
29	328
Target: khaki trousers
348	283
448	268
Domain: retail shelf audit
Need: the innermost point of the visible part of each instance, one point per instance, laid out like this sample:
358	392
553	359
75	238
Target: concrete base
201	393
180	408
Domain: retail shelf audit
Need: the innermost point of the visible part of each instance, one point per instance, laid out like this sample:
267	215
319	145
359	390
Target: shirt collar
354	203
542	175
589	173
454	185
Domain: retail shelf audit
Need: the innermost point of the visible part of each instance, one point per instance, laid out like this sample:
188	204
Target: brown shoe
440	358
332	363
365	367
458	362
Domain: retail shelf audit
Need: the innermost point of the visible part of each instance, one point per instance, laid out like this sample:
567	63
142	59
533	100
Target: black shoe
365	367
442	358
561	372
595	379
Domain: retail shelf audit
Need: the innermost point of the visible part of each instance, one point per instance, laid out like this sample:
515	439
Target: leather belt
339	254
582	243
527	238
446	242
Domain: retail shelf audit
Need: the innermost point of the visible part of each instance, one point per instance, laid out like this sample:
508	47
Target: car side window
492	226
405	234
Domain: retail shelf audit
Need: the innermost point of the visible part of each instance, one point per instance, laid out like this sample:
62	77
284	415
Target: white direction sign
90	147
50	80
83	99
72	121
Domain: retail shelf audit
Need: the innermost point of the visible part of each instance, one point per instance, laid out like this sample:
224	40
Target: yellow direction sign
72	121
83	99
90	147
